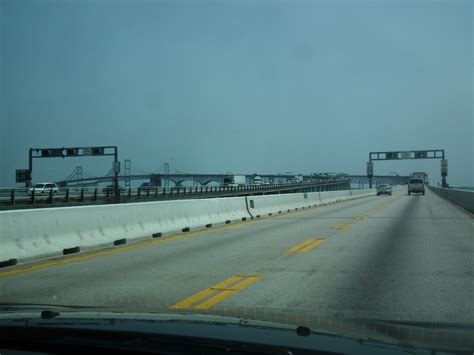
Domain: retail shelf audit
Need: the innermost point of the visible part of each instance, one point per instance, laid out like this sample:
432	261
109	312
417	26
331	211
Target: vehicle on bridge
297	179
416	186
257	180
111	188
384	189
234	180
43	188
420	175
146	186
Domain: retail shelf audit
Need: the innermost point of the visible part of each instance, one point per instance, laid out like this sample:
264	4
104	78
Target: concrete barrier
364	192
41	233
315	198
334	196
462	198
260	206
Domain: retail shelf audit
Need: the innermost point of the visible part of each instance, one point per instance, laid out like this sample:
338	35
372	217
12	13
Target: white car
44	188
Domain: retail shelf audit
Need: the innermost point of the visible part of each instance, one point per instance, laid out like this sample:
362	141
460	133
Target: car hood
420	335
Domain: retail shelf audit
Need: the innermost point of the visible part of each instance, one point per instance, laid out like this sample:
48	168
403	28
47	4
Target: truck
297	179
420	175
416	185
257	180
234	180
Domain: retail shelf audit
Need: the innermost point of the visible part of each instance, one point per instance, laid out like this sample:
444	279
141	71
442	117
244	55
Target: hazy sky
237	86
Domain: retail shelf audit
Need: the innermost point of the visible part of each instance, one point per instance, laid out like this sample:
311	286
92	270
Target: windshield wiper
424	324
5	307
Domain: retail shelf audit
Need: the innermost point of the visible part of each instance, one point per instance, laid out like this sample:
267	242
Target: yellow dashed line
361	218
93	254
208	297
342	226
316	243
307	245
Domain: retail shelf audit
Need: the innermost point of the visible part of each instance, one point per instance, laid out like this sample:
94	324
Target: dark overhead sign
421	155
414	154
391	155
71	152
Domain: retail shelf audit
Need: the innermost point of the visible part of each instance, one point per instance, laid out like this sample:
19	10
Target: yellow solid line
300	246
315	244
94	254
90	255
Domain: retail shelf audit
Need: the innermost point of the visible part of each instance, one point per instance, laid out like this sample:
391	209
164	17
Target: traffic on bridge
236	177
329	258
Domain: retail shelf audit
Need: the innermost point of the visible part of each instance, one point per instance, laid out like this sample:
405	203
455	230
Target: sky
237	86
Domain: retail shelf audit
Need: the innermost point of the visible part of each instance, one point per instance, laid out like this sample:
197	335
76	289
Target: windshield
309	157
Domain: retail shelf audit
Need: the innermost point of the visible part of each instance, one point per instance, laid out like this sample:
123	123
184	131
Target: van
416	185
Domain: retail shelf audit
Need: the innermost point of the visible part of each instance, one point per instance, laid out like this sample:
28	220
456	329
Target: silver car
384	189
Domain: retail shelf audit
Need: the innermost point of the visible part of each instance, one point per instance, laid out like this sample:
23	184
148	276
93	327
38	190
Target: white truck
297	179
234	180
257	180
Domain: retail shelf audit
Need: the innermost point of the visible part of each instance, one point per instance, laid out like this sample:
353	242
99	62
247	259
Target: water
464	188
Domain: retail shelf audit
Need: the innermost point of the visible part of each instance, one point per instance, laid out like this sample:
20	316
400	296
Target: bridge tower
166	171
79	174
128	172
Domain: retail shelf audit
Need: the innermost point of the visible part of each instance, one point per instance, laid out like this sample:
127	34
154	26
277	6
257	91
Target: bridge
315	248
76	178
336	254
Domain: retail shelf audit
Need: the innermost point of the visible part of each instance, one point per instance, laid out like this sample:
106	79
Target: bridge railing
462	198
24	198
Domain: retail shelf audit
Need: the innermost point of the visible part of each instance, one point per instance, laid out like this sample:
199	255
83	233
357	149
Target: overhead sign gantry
405	155
26	175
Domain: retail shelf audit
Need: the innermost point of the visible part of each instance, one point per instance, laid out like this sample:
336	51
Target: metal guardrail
22	198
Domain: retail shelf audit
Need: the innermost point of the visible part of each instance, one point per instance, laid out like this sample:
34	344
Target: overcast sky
237	86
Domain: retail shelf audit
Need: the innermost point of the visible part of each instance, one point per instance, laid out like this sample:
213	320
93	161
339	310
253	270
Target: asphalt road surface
394	257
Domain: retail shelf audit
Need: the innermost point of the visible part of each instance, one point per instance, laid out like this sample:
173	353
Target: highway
394	257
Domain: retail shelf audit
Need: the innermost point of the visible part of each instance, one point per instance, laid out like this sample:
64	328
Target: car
44	188
416	185
384	189
111	188
146	186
